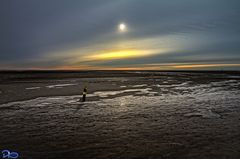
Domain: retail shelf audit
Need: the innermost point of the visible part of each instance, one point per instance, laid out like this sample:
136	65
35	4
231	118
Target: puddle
61	85
32	88
142	85
204	114
112	93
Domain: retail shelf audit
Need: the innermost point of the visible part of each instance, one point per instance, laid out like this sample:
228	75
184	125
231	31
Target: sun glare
122	27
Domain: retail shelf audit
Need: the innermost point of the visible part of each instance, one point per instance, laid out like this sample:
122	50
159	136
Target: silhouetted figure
84	94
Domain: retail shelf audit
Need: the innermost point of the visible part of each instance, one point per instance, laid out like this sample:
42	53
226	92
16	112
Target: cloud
60	33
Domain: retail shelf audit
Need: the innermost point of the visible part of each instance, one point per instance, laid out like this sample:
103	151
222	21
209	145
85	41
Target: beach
127	114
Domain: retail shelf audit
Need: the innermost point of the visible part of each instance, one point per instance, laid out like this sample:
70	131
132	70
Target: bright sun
122	27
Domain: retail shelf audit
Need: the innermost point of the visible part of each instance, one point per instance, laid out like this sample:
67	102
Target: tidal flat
127	115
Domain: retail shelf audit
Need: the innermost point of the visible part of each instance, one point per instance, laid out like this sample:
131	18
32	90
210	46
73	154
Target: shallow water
159	120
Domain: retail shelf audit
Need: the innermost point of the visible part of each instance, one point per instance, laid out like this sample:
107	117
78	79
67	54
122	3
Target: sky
85	35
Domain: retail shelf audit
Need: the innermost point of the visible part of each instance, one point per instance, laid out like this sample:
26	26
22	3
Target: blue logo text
8	154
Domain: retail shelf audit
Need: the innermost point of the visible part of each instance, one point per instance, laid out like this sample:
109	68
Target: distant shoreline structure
15	75
73	71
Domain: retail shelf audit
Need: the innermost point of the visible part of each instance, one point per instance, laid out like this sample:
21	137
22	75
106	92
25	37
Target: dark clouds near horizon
34	31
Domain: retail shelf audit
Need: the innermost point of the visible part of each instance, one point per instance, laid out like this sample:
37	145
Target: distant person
84	94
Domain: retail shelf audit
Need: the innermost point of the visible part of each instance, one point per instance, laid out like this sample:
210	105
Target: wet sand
127	115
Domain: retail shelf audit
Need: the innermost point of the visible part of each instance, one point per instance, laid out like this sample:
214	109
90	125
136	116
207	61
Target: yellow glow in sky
123	54
204	65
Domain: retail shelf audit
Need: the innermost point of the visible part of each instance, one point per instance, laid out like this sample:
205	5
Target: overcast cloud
66	33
